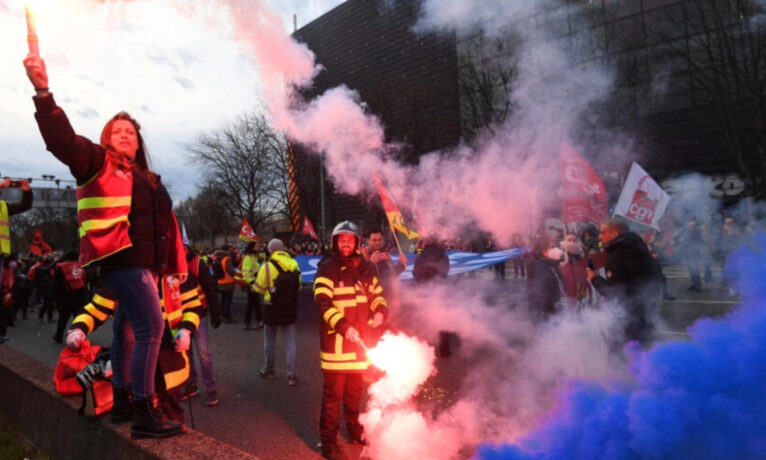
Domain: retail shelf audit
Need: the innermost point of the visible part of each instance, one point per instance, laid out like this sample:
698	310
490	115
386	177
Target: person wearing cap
280	309
350	302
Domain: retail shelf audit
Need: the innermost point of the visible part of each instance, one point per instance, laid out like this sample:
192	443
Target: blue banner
459	262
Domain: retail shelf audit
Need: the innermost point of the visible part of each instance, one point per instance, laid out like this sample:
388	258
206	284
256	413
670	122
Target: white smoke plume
496	184
500	183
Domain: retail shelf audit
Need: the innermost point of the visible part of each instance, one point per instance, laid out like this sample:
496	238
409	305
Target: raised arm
83	157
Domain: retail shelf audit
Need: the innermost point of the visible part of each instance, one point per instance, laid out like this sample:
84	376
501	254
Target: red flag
246	232
38	246
308	229
583	194
393	214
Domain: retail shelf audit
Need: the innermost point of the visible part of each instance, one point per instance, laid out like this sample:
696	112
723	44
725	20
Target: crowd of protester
556	265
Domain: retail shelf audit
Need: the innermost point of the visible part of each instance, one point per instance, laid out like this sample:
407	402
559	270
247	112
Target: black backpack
284	298
286	287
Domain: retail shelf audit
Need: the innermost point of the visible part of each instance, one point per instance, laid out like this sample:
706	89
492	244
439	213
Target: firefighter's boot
122	405
331	451
150	422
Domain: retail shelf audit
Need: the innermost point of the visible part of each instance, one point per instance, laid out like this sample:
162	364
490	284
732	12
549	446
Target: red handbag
69	364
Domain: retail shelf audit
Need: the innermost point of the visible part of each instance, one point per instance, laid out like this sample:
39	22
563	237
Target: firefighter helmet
348	228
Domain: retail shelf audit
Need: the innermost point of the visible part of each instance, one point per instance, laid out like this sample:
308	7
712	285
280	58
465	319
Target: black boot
149	421
122	405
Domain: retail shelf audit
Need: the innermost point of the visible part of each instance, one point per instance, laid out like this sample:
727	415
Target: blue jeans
201	339
138	326
270	338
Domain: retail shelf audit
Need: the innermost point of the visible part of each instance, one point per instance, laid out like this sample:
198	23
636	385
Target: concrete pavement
272	420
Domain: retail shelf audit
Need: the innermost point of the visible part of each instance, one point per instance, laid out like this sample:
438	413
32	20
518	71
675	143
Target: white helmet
348	228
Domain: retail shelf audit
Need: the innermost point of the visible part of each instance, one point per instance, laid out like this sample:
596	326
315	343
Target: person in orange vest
69	290
129	235
224	272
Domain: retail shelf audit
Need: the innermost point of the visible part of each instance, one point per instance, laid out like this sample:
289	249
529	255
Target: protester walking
207	289
279	280
545	285
245	277
631	278
223	268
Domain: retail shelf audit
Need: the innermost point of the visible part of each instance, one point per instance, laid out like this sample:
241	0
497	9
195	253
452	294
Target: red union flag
308	229
583	195
642	200
246	232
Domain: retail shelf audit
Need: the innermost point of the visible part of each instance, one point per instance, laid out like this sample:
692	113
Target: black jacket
151	208
544	285
431	263
630	268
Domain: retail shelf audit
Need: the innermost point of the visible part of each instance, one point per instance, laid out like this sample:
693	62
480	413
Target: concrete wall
29	400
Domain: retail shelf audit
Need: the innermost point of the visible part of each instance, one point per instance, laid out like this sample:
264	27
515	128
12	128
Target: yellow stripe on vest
103	202
98	224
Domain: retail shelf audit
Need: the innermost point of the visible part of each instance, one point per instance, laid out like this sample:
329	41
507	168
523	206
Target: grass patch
13	447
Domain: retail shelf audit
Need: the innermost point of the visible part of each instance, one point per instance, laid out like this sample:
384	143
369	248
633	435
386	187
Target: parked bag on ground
69	364
96	383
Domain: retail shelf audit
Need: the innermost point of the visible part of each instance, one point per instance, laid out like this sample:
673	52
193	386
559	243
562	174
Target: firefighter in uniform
182	310
350	301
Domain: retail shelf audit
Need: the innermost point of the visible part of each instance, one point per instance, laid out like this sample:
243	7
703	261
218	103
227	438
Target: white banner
642	200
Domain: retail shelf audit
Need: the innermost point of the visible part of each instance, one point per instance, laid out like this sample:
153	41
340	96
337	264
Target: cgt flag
246	232
38	246
184	238
642	200
308	229
583	194
393	214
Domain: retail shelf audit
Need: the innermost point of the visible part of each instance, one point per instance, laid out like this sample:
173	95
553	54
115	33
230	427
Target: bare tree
204	217
245	162
58	227
721	61
487	68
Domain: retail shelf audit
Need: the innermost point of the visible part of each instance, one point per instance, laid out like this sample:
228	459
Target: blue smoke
699	399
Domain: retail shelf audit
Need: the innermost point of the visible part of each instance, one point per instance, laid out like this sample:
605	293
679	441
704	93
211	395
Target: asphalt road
274	421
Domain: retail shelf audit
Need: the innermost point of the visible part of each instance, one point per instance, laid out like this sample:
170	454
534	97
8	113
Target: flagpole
393	232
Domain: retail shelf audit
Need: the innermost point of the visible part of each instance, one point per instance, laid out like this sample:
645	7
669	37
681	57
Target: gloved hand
352	335
74	338
378	319
182	339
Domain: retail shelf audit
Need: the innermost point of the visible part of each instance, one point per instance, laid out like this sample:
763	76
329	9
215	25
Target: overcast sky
173	65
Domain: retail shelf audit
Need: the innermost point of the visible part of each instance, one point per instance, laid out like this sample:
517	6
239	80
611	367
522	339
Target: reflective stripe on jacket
5	230
348	294
247	270
227	278
264	282
103	205
181	305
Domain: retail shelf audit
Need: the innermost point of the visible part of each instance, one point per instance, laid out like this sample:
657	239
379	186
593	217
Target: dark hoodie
629	267
632	278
